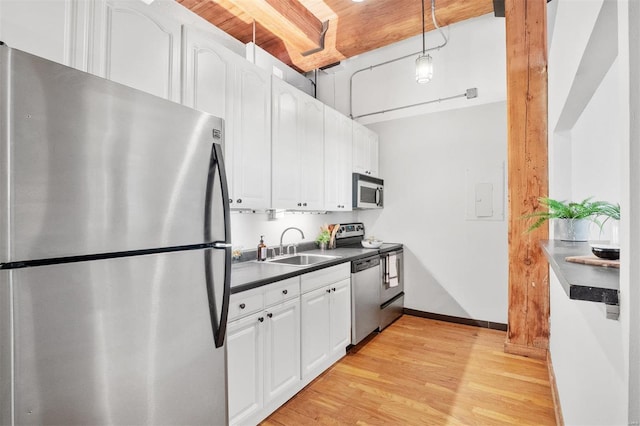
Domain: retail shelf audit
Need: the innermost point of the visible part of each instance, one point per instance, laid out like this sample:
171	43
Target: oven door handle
385	271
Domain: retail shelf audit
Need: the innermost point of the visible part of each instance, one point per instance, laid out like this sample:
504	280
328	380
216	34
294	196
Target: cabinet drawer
281	291
317	279
245	303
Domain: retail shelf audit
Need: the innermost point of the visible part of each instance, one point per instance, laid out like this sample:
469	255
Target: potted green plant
323	238
571	219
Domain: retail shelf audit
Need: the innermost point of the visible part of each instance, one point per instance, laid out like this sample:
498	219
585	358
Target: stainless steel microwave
368	192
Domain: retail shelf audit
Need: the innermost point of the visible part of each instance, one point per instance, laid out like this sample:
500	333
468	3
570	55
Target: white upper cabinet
311	153
219	82
297	149
208	74
44	28
285	131
365	150
136	45
251	140
338	151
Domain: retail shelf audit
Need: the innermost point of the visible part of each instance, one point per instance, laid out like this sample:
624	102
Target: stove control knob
360	228
341	229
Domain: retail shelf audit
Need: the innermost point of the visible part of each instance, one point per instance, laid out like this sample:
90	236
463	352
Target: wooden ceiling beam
288	20
288	28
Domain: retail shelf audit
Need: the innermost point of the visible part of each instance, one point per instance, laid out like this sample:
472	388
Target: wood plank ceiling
289	28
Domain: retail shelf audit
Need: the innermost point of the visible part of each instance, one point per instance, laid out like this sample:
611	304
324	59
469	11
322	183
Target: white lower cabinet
326	326
282	349
263	350
279	340
245	367
316	335
340	316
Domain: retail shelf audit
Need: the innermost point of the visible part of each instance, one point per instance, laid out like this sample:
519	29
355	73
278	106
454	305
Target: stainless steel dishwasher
365	297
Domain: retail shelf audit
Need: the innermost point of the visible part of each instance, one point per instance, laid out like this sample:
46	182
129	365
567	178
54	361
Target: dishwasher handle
364	264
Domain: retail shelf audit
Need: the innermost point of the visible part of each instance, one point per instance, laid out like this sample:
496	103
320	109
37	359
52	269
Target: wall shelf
583	282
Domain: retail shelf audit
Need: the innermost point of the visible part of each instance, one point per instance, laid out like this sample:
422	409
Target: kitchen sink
301	259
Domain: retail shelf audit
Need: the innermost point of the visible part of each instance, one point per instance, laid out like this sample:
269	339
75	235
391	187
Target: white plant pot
571	229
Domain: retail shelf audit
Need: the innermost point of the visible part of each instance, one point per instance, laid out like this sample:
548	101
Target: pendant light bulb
424	69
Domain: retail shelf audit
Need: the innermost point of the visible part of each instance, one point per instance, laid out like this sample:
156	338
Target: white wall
474	57
453	266
588	361
629	48
246	228
596	150
587	145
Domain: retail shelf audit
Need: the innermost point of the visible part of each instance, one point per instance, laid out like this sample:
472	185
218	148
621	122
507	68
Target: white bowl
371	244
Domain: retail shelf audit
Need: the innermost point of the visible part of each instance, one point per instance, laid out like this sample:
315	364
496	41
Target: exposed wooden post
526	33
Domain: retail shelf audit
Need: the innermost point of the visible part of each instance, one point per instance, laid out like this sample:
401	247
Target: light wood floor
426	372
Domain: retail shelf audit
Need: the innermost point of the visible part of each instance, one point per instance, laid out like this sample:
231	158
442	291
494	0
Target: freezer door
91	166
118	341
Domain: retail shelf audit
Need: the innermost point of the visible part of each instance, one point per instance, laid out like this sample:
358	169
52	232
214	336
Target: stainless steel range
377	281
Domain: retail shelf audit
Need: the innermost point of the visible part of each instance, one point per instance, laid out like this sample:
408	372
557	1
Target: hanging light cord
423	46
435	24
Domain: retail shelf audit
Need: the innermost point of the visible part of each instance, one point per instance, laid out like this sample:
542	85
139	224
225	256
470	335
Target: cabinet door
373	147
311	149
365	150
337	161
40	27
340	315
286	132
360	149
137	45
207	83
282	349
251	164
245	363
315	333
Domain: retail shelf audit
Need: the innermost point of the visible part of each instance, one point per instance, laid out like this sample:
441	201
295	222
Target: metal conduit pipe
371	67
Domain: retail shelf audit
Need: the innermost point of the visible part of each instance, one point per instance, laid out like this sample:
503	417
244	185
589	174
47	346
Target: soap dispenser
262	249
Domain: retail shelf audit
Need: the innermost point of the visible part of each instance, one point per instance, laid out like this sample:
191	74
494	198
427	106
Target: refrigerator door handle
220	245
218	316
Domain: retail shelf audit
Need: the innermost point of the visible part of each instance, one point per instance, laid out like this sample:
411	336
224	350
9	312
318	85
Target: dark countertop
582	282
252	274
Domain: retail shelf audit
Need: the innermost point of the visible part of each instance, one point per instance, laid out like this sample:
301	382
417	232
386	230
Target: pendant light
424	63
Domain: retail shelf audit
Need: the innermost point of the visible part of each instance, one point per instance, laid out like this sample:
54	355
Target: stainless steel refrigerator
114	252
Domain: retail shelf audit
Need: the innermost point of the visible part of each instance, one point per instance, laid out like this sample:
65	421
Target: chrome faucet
282	236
